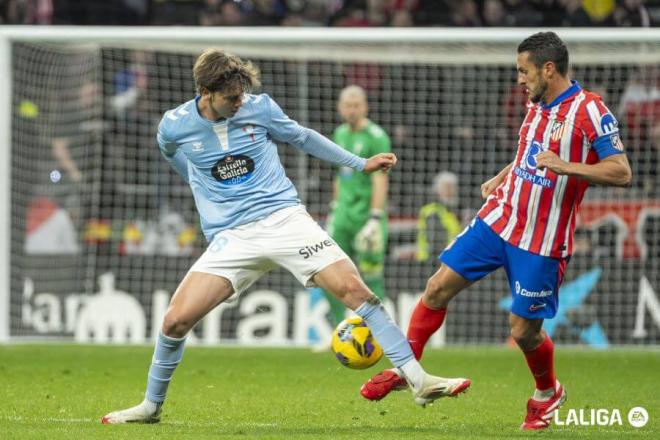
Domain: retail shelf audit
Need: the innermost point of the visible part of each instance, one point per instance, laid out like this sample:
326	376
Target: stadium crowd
348	13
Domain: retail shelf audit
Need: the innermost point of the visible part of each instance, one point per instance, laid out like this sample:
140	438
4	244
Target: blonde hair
218	71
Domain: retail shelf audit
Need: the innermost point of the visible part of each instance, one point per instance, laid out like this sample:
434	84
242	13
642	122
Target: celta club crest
249	130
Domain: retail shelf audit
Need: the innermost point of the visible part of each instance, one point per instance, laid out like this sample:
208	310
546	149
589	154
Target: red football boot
382	384
539	414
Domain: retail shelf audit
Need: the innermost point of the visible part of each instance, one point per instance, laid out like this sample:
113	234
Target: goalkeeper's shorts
533	279
289	238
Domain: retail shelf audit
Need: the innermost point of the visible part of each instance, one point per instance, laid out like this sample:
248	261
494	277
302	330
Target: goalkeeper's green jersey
354	201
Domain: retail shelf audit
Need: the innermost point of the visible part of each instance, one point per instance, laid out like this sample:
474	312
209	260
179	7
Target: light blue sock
395	346
167	355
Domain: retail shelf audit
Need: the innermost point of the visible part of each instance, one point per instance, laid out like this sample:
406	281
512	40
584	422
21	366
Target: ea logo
535	149
517	287
608	124
638	417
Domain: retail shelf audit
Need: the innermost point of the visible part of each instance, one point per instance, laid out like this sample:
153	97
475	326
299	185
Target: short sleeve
165	142
380	141
602	129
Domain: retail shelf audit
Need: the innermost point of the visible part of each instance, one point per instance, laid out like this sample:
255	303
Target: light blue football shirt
233	167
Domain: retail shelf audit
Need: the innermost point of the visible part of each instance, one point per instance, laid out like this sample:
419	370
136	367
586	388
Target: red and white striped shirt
534	209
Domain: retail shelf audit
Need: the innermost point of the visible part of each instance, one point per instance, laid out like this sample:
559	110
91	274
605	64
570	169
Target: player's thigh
200	292
343	281
197	294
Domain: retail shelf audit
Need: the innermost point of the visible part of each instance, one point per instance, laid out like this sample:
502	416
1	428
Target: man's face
225	104
352	108
531	77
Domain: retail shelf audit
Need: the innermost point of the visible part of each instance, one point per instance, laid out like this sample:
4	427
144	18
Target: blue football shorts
534	280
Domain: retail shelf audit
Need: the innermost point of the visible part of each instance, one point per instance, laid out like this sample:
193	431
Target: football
354	345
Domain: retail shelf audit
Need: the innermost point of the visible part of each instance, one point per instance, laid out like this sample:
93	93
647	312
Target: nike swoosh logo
535	307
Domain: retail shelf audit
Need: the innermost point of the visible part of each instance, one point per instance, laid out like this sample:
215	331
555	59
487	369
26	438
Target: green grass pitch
61	391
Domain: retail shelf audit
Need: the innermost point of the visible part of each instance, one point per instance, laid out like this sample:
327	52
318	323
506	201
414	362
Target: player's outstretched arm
489	186
380	162
613	170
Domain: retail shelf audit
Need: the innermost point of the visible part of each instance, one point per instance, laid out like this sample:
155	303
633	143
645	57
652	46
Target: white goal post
439	93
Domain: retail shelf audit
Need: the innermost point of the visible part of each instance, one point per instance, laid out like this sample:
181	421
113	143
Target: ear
204	92
549	69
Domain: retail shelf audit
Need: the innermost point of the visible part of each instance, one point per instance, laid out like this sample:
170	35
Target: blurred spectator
584	13
514	108
107	12
640	103
523	13
264	12
352	14
305	13
130	84
464	13
494	13
646	164
632	13
600	11
402	18
221	13
28	11
437	222
432	13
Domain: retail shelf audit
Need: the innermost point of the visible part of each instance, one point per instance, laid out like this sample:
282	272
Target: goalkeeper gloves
370	238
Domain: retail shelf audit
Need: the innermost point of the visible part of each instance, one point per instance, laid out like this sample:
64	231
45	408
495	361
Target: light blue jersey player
223	144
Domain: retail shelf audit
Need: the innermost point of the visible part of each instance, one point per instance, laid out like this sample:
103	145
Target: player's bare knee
175	326
527	338
436	293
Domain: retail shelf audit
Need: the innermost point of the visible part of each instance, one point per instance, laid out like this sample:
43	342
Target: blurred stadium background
101	230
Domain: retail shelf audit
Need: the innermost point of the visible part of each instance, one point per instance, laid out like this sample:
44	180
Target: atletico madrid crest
557	130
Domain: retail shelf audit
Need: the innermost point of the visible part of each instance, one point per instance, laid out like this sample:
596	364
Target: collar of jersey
202	118
572	90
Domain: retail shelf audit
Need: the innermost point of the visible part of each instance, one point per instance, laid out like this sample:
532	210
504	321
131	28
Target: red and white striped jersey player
568	140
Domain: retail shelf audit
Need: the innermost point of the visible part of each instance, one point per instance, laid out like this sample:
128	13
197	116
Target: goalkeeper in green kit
358	217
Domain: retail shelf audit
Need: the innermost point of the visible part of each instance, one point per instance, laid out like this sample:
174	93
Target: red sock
541	364
423	323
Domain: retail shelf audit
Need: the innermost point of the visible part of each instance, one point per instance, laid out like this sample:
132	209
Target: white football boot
145	412
434	387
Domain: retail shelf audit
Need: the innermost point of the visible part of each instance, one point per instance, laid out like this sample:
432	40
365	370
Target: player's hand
489	186
549	160
370	238
380	162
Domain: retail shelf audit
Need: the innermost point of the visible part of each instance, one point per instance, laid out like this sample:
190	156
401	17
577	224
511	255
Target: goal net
102	230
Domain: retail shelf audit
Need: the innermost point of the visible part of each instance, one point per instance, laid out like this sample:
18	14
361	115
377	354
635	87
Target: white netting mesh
91	195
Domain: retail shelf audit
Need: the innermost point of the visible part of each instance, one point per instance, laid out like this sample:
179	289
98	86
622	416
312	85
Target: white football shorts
289	238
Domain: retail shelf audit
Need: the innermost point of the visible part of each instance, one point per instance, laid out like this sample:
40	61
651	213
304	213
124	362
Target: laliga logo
535	149
637	417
